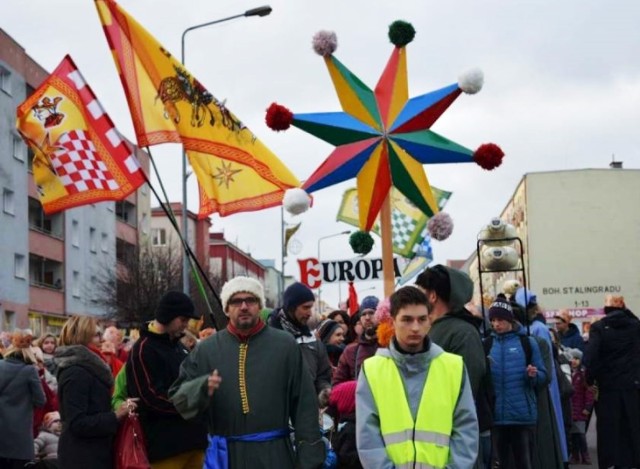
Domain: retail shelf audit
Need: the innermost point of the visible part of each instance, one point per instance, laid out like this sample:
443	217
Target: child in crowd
46	444
581	404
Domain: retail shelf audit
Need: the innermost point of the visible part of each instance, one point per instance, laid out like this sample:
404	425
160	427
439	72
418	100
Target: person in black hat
152	366
297	307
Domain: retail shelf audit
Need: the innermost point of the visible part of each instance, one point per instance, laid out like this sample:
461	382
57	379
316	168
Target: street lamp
320	239
259	11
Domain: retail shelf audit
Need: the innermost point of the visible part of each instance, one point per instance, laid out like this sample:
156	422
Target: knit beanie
174	304
326	329
501	310
241	285
49	418
343	397
573	353
369	302
295	295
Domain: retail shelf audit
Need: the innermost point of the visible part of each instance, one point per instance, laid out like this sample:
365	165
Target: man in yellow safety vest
414	407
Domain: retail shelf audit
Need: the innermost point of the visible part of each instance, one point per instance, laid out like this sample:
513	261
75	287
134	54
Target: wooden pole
386	235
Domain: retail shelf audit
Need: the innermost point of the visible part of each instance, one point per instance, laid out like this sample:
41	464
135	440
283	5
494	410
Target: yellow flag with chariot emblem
235	170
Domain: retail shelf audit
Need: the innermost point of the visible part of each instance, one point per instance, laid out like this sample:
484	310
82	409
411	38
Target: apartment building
49	264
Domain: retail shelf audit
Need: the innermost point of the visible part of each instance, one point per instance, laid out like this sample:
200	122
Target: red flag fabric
352	303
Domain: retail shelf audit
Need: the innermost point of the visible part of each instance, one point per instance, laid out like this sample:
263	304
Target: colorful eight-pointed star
382	137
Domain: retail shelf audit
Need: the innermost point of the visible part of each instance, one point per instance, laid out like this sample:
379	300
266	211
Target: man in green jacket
249	381
455	329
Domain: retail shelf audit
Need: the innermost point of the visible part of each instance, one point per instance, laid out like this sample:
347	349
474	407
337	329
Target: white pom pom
296	201
471	82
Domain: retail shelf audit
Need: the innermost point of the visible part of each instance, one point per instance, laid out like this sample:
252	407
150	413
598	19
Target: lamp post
259	11
320	239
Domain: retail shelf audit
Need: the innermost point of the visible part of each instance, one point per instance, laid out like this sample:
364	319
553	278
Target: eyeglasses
249	300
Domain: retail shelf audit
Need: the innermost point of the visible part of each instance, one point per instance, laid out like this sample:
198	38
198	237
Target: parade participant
364	347
45	445
114	335
455	329
516	368
20	392
84	394
612	361
414	405
552	439
581	406
569	334
152	366
249	381
341	317
331	334
48	344
297	308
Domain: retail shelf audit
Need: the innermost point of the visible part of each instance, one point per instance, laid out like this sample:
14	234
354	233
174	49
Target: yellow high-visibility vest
423	444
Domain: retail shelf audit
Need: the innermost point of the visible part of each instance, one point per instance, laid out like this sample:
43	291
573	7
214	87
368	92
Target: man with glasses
249	382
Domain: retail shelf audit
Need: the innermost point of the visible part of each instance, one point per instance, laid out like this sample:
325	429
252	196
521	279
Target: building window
9	321
75	233
94	281
159	237
20	266
93	245
30	156
8	203
18	149
5	80
76	284
144	224
104	242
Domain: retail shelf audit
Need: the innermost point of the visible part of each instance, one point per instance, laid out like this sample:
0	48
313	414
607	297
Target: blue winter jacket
572	338
515	392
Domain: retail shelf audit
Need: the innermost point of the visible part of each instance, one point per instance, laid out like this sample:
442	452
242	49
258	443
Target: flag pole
387	246
193	261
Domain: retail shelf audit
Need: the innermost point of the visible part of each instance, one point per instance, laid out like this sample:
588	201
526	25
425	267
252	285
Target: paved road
591	443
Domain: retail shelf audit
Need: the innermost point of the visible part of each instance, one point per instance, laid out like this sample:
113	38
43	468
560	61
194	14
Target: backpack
524	341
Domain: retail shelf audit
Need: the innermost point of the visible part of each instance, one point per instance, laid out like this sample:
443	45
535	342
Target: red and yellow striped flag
80	158
236	171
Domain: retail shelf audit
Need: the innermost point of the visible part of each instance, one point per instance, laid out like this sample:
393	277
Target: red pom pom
278	117
488	156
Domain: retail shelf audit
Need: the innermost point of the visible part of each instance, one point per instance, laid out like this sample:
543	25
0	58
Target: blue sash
217	456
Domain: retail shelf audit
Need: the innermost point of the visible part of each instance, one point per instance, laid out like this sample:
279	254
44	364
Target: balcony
45	272
126	212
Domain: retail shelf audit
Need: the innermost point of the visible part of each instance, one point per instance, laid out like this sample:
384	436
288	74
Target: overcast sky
562	90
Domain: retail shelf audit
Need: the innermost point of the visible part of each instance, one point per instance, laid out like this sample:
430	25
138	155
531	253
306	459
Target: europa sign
314	272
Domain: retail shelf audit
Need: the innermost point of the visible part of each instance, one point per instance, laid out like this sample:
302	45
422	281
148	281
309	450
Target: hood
461	289
411	364
79	355
464	315
620	318
573	330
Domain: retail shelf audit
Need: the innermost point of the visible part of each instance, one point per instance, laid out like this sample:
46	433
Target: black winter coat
612	360
84	395
152	366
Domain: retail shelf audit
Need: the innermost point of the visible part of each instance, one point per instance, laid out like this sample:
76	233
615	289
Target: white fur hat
241	285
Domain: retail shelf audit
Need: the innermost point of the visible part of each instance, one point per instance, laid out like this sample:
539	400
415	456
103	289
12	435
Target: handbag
131	452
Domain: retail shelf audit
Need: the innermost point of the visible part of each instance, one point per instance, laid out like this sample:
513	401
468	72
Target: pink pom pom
440	226
325	43
488	156
383	311
278	117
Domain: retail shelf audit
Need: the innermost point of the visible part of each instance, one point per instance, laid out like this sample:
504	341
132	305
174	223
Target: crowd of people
422	379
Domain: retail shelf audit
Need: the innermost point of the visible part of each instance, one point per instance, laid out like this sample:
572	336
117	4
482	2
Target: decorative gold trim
241	375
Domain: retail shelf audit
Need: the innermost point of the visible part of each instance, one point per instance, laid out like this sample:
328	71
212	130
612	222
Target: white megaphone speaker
498	258
496	232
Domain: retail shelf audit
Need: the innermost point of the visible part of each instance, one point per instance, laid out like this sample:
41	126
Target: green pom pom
361	242
401	33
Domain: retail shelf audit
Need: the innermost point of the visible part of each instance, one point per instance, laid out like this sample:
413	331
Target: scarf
79	355
244	336
294	328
